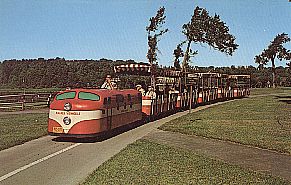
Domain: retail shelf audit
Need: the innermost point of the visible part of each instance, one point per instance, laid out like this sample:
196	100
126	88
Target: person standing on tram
140	89
108	84
151	93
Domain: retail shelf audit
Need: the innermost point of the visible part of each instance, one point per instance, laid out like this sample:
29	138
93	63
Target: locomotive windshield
88	96
66	95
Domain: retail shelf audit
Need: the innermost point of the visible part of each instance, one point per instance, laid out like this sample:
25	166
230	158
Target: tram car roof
241	75
134	69
208	74
172	73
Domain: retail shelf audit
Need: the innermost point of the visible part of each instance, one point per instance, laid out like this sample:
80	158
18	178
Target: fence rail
24	101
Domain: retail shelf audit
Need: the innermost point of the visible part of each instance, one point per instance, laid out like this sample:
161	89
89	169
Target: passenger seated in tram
114	85
108	84
173	90
167	89
151	93
140	89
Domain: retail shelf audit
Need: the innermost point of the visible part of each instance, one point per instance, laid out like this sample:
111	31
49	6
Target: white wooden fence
24	101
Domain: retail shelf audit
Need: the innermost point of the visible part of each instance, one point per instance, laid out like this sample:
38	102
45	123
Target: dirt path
257	159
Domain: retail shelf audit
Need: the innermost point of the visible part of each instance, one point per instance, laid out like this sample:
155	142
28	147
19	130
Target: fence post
23	101
49	100
190	99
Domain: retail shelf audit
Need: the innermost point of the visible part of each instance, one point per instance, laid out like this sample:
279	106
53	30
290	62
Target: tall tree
178	52
154	31
289	58
274	50
204	28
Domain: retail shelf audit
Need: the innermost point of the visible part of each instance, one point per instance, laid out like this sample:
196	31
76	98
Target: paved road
44	161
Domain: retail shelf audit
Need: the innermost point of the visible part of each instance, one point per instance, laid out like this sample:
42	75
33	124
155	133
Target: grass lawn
259	91
144	162
259	121
27	91
17	129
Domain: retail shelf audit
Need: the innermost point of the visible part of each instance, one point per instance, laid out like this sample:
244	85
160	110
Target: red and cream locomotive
88	112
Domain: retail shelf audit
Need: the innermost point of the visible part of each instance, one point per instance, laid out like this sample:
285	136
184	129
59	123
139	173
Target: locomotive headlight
67	120
67	106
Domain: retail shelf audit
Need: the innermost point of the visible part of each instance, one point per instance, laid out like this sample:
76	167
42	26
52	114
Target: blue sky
115	29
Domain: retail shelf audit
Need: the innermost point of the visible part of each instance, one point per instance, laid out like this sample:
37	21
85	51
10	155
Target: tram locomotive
88	112
91	112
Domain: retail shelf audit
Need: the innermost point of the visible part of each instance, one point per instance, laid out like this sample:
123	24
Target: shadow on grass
280	97
284	99
198	119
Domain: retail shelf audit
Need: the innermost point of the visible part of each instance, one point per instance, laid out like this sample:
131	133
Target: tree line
58	72
61	73
204	28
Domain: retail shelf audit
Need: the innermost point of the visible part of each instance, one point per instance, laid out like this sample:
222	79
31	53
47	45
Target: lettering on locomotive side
73	113
62	113
69	113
